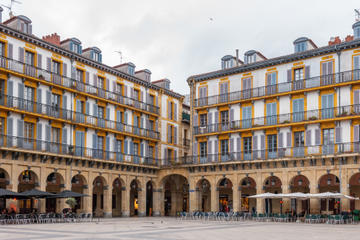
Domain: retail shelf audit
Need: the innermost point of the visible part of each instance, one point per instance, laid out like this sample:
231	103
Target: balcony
286	87
64	114
186	143
186	117
296	117
78	151
34	72
267	154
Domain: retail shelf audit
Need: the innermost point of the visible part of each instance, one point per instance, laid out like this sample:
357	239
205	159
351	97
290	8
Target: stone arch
4	178
354	188
174	194
300	183
118	185
248	188
99	185
135	189
54	184
79	184
225	194
273	184
203	190
329	183
27	180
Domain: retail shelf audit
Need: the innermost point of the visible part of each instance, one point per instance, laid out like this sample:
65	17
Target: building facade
280	125
70	122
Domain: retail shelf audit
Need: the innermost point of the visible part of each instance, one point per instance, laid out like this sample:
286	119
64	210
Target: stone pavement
170	228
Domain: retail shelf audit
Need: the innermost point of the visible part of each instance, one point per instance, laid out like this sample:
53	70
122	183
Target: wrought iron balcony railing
324	80
73	150
32	71
266	154
57	112
311	115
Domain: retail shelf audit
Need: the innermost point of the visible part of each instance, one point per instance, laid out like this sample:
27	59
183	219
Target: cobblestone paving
170	228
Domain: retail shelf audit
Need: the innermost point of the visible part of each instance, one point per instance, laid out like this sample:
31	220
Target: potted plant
71	202
286	121
312	118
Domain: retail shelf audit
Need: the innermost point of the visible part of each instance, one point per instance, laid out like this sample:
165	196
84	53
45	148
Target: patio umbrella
68	194
37	193
265	195
4	193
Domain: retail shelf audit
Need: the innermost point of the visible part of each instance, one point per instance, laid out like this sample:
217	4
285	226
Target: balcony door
327	106
271	113
328	141
246	117
298	110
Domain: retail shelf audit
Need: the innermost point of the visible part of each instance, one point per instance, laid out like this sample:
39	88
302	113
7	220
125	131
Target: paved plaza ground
170	228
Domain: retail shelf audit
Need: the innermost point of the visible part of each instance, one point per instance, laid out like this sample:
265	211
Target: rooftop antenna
10	7
120	53
357	15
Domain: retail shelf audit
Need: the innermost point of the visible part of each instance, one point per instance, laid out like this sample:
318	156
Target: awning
4	193
299	195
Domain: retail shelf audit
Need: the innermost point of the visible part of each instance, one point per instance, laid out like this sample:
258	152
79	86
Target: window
171	110
170	133
29	93
328	141
300	47
100	82
28	130
357	32
100	142
96	56
55	101
298	110
2	122
203	149
224	116
169	153
151	151
2	49
327	106
250	58
131	70
136	149
272	145
299	139
203	120
247	145
227	64
29	58
271	117
136	94
55	135
246	117
151	100
224	147
151	125
56	67
101	112
118	146
224	90
119	89
298	74
79	75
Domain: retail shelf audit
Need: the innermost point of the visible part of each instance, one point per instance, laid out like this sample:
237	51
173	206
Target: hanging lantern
273	182
225	183
300	182
329	181
117	184
98	183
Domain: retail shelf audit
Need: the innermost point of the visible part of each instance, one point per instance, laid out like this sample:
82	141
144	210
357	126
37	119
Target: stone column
42	182
286	206
214	197
125	202
236	197
88	201
157	202
14	181
345	189
193	198
107	202
142	201
259	201
314	203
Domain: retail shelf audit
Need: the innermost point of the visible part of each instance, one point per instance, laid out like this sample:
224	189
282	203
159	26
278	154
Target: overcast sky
177	39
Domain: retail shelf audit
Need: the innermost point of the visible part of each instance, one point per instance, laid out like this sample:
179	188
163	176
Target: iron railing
65	114
73	150
266	154
35	72
311	115
285	87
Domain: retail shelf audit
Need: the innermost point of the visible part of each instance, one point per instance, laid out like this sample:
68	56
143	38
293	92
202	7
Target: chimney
1	10
53	39
334	41
349	38
237	57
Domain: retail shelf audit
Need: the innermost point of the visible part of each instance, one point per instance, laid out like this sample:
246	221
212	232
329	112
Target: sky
176	39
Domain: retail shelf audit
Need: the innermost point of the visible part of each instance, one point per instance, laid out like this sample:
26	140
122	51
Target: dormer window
303	44
131	70
250	58
75	48
356	28
300	47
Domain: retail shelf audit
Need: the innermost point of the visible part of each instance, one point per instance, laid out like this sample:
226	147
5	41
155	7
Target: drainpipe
237	57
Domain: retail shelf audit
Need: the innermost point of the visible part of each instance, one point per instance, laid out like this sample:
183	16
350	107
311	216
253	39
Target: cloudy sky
177	39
